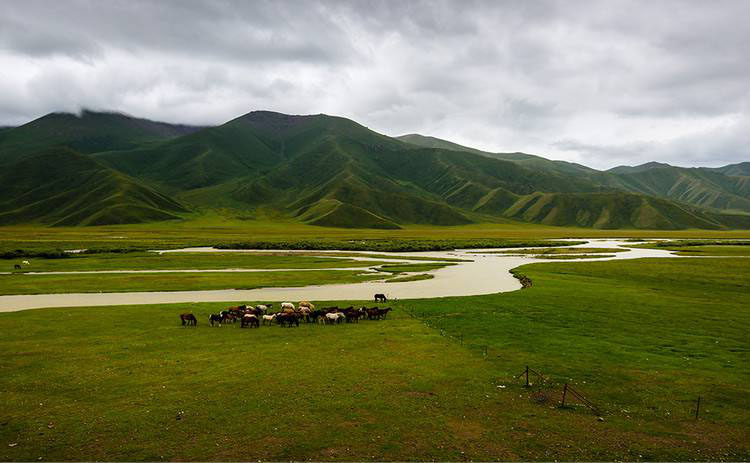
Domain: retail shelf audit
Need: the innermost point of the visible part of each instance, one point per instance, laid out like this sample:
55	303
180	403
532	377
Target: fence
568	392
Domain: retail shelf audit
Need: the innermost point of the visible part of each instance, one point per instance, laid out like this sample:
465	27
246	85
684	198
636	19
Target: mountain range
99	168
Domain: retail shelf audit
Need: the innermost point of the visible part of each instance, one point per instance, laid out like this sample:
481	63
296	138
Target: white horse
269	319
332	318
287	306
26	262
306	304
262	307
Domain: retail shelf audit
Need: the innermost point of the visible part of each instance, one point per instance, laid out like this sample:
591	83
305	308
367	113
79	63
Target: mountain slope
710	188
739	169
617	210
523	159
331	171
698	187
88	132
62	187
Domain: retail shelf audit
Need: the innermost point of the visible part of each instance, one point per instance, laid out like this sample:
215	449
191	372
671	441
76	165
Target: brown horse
249	320
188	319
287	319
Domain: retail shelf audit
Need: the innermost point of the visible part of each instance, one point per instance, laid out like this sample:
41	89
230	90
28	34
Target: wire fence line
569	396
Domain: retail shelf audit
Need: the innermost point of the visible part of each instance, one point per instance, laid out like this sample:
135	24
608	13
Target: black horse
188	319
216	317
380	298
16	267
250	320
288	319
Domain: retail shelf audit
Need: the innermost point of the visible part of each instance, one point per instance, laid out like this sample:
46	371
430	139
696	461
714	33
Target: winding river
487	272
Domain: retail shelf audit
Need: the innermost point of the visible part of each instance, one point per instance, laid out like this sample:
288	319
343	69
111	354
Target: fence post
697	407
527	376
565	392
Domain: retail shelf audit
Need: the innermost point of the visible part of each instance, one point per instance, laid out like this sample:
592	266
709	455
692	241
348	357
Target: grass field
121	282
214	229
641	339
182	261
554	251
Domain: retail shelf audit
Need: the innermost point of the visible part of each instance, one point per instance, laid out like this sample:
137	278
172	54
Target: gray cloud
617	82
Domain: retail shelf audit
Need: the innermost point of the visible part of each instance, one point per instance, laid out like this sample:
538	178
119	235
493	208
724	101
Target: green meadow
437	380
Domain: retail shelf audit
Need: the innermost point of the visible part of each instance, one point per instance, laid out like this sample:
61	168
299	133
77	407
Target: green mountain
720	189
618	210
89	132
331	171
59	186
311	167
740	169
527	160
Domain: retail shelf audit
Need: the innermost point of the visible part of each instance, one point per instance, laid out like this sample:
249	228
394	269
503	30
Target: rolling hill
88	132
721	189
59	186
331	171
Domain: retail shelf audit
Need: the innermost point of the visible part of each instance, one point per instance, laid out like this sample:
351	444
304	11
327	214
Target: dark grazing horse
380	298
188	319
16	267
250	320
287	319
216	317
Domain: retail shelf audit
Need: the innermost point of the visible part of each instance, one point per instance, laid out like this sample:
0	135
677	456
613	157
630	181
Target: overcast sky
602	83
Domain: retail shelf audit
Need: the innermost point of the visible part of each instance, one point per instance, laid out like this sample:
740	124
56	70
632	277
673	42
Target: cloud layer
600	83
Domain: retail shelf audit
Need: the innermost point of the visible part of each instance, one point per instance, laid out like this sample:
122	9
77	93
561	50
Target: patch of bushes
21	253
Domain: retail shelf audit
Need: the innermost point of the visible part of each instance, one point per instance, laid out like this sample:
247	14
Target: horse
188	319
215	317
249	319
380	298
26	262
315	315
333	318
287	318
383	313
239	310
264	308
306	304
269	318
352	316
16	267
373	313
287	307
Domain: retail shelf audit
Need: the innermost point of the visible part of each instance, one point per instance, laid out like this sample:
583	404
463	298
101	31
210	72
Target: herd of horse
289	315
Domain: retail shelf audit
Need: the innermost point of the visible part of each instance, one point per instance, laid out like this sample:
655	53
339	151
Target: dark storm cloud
602	83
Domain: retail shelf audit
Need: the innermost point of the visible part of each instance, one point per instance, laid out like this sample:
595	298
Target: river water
486	273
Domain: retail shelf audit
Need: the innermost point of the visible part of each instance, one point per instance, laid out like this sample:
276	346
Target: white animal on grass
334	317
269	318
26	262
287	305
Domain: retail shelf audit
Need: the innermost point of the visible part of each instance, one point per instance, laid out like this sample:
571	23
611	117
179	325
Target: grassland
702	247
136	385
123	282
400	268
403	279
184	261
553	251
212	229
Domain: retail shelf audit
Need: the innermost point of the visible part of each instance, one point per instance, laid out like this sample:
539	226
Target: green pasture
641	339
188	281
